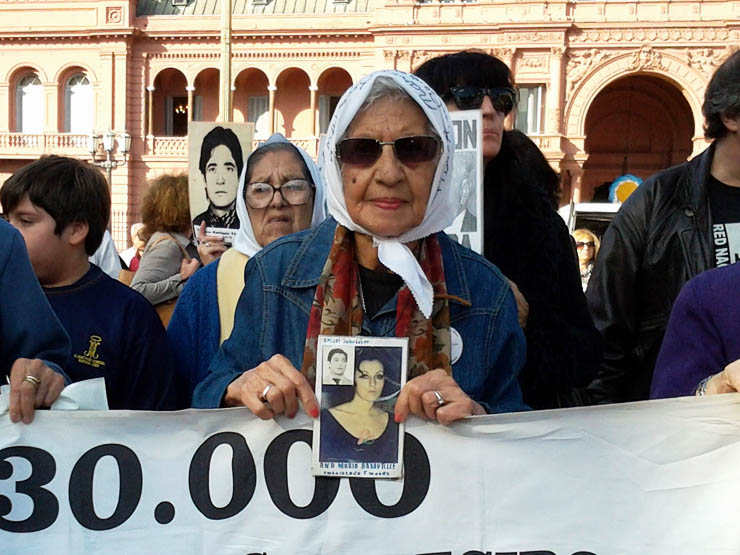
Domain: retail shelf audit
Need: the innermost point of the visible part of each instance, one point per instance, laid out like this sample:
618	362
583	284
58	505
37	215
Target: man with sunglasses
523	235
677	224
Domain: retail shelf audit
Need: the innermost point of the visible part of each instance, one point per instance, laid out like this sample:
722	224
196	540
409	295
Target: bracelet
701	388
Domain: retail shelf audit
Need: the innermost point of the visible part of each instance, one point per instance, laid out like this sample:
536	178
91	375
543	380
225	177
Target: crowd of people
355	245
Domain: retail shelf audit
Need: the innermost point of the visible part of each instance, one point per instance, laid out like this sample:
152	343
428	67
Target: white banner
643	478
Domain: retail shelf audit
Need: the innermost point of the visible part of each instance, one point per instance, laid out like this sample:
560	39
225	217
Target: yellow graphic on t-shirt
91	357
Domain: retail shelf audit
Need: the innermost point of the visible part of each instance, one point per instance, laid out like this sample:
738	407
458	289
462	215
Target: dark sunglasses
409	150
581	244
470	98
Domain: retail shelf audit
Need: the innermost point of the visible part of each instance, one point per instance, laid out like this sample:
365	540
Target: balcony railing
38	144
178	146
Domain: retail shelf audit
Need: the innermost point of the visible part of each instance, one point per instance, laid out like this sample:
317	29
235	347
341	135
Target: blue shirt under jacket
195	331
703	334
117	335
273	311
28	326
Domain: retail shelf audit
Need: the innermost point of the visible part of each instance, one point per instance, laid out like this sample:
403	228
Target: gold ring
440	399
32	380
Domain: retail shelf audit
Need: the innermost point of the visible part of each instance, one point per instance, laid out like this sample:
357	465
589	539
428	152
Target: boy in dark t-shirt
61	207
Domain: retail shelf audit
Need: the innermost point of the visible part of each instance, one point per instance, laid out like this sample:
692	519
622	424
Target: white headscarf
440	211
245	241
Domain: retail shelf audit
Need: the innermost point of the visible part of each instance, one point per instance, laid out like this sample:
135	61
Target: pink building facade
607	87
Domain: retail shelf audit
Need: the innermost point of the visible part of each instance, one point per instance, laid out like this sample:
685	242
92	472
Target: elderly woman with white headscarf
280	192
380	266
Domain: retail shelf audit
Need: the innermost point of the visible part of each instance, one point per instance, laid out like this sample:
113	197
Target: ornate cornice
251	55
676	34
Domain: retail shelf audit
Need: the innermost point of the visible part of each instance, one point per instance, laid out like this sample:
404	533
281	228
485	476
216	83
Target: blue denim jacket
272	317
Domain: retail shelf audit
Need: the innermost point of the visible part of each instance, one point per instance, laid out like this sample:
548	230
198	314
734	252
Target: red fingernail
397	418
314	412
292	415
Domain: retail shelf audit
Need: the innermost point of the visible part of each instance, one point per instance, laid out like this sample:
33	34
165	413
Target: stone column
51	103
553	124
191	90
314	100
150	111
271	90
107	79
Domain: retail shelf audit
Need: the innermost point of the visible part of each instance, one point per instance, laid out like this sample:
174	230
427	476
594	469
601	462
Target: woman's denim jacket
272	317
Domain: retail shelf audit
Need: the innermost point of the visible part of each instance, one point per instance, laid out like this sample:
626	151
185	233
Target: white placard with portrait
358	380
467	179
217	154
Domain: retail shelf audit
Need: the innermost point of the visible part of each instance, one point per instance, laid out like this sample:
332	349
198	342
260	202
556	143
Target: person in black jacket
523	235
677	224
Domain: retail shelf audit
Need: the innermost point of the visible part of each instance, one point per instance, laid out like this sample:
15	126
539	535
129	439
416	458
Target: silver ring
32	380
263	395
207	243
440	399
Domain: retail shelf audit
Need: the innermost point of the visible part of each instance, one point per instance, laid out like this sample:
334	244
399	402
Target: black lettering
276	477
457	131
45	504
243	472
469	133
81	486
416	480
537	553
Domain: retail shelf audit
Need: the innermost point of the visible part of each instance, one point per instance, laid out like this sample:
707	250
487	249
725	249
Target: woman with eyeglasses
587	246
523	234
379	266
280	192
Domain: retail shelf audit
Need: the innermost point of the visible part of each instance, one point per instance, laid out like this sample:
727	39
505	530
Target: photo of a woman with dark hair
362	429
221	162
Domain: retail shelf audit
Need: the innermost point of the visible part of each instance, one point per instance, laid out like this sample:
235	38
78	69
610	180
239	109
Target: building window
29	103
258	113
530	109
78	105
327	105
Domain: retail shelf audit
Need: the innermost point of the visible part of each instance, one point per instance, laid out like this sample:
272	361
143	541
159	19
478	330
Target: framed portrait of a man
217	155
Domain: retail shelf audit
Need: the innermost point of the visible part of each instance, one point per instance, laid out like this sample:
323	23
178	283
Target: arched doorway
170	104
332	84
293	103
252	101
638	124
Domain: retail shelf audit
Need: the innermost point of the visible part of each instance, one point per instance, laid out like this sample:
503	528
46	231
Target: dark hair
216	137
263	150
537	170
722	97
336	352
165	206
70	190
467	68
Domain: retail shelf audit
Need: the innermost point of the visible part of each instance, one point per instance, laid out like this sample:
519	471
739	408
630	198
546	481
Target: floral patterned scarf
337	308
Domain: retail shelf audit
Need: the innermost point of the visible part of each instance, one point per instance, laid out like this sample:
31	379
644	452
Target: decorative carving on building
390	58
113	15
532	63
703	59
648	34
249	54
531	37
557	51
420	56
579	66
506	55
646	58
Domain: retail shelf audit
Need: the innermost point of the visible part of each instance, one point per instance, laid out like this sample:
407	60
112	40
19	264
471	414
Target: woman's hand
727	381
188	268
210	247
32	385
273	387
522	306
420	397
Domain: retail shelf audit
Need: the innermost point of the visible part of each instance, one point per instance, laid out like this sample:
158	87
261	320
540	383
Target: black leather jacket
659	239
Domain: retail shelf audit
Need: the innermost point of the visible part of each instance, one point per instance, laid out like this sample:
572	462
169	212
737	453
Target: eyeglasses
581	244
470	98
294	192
409	150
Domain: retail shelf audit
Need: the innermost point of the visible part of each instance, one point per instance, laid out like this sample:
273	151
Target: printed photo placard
358	380
217	154
467	179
